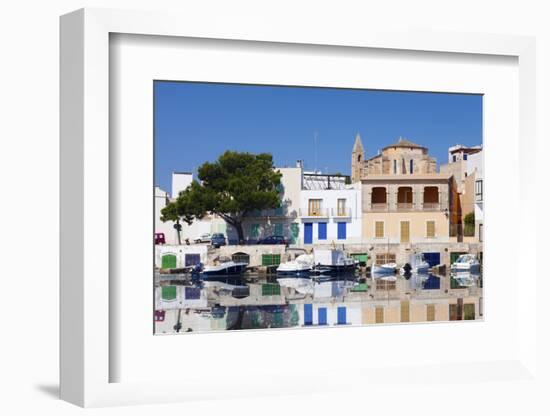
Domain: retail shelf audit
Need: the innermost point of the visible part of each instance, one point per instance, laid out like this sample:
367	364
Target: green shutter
169	292
270	289
169	261
469	311
278	229
271	259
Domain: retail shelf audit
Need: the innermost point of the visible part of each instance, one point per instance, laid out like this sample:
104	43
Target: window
465	156
385	258
430	229
394	166
430	313
405	311
379	229
405	231
255	230
314	207
379	315
341	207
479	190
454	158
411	166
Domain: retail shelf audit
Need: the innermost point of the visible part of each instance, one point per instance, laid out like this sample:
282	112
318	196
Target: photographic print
303	207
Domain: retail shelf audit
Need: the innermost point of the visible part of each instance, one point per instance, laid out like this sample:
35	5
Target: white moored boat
301	265
466	263
417	264
228	268
387	268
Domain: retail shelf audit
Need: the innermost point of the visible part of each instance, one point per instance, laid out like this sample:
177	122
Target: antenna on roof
315	147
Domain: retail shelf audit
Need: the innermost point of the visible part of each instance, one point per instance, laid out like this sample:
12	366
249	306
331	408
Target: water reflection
252	301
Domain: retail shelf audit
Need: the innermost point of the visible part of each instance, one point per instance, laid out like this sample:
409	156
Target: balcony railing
379	206
404	206
314	213
431	206
341	212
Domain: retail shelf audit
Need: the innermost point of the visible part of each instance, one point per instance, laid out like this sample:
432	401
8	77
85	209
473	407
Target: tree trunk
178	229
239	226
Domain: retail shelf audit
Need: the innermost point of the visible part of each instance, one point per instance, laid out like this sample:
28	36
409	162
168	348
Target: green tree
232	187
469	224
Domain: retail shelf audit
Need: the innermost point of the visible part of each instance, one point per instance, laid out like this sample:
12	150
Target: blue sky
196	122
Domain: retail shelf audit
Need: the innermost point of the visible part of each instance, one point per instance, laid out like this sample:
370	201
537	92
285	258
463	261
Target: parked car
204	238
159	238
218	239
274	239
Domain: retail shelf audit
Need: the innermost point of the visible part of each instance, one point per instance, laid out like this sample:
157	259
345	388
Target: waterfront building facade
330	210
465	164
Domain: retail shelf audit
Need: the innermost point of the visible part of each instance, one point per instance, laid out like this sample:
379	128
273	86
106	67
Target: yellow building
404	199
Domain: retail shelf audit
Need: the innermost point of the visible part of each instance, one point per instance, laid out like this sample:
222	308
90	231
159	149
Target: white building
330	211
475	167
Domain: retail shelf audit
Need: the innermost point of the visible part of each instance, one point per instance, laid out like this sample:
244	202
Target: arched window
411	166
359	158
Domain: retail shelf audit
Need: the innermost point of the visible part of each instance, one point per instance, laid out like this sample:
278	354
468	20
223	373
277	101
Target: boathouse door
308	233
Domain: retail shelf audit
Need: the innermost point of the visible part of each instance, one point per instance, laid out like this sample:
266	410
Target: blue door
341	315
342	230
322	231
433	259
322	316
308	314
308	233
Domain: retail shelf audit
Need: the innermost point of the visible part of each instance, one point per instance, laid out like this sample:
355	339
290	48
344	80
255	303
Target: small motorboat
417	264
465	279
466	263
332	261
300	266
387	268
228	268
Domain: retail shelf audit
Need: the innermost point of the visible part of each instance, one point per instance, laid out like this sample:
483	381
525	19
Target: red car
159	238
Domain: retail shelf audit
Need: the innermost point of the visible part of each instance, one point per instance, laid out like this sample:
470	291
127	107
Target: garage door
433	259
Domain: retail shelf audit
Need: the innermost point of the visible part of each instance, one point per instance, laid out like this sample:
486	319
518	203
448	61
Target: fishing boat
417	264
332	262
387	268
466	263
299	267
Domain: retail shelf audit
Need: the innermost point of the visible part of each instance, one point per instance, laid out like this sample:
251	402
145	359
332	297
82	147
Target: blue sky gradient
196	122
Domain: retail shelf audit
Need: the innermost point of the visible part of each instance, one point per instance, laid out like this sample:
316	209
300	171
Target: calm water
259	301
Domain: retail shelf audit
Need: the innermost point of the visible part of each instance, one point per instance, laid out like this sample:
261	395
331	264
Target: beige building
404	199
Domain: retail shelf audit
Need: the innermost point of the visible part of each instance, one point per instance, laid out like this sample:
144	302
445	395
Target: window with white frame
479	190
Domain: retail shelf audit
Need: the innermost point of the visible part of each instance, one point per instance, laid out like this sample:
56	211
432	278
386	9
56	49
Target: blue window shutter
342	231
322	316
322	231
308	233
341	315
308	314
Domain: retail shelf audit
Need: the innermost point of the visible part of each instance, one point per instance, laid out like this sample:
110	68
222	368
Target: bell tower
357	160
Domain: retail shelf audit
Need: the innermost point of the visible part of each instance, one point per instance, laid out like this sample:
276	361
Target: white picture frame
87	356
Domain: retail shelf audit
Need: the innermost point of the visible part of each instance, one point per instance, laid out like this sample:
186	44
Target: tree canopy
233	186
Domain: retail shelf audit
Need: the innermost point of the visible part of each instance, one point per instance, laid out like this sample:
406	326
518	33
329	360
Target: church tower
357	160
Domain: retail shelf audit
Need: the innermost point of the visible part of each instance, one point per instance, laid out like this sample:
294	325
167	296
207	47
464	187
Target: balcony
431	206
314	213
379	207
405	206
341	212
